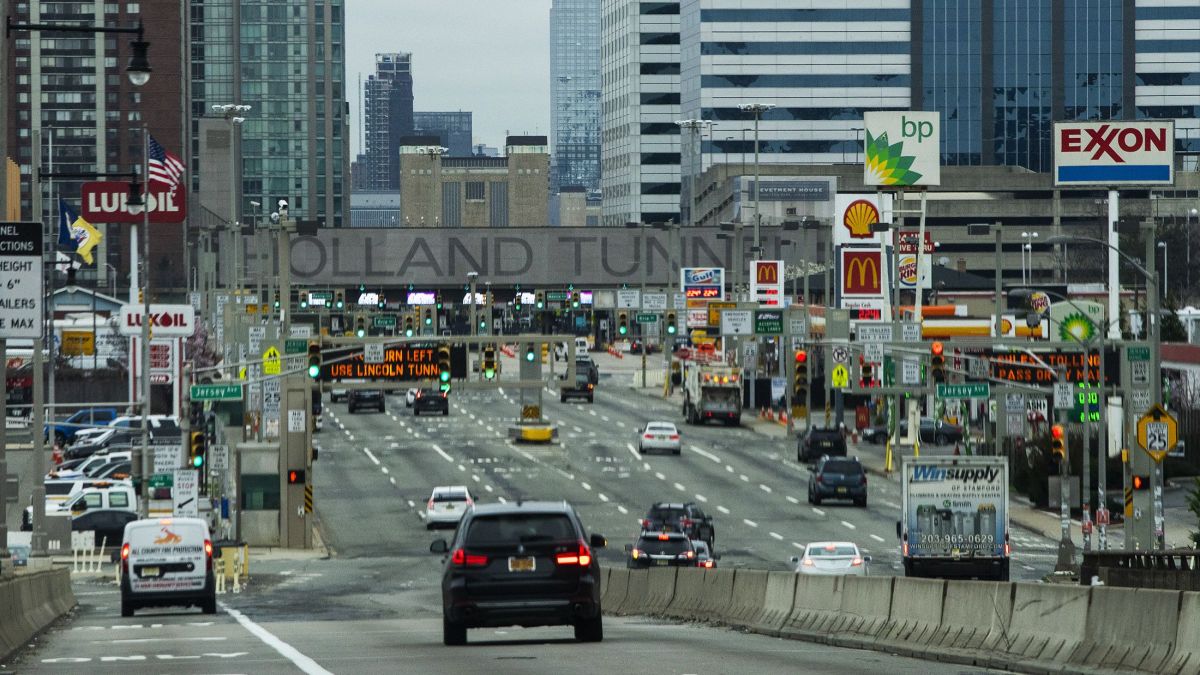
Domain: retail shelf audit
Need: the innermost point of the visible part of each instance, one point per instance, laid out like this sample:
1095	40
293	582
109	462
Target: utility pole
643	262
142	466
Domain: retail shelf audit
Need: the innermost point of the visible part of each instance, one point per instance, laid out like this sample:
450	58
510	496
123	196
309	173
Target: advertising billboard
854	214
703	283
105	202
862	272
902	148
766	282
956	510
1114	153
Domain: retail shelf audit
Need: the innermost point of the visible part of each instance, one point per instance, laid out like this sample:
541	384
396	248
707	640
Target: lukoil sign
1114	153
902	148
107	202
178	320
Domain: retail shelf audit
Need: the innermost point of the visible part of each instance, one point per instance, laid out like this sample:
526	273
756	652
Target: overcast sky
491	57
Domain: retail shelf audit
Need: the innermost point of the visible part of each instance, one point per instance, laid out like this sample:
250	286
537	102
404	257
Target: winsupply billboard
1114	153
854	214
902	148
956	510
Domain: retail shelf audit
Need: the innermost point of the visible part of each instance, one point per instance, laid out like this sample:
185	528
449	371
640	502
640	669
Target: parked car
87	418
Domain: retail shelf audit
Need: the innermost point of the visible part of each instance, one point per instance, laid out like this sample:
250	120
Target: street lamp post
1166	289
1027	245
757	109
694	172
234	113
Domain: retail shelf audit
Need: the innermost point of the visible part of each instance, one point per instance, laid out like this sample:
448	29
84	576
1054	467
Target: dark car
584	388
108	524
934	431
838	478
687	518
661	549
372	399
819	441
588	366
524	564
431	400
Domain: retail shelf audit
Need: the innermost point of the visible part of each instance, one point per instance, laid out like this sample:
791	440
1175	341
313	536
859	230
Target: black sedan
935	431
431	400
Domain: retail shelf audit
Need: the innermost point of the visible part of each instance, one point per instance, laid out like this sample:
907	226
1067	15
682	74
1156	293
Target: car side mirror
629	548
812	467
898	534
795	560
598	541
439	546
80	507
866	558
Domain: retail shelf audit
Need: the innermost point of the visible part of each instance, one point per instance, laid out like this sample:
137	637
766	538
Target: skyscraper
287	61
387	116
453	127
575	93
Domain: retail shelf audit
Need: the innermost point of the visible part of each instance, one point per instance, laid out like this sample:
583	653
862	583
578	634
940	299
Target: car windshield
670	546
843	467
519	528
430	392
831	551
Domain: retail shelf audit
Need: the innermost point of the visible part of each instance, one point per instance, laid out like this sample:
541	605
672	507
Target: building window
475	190
260	492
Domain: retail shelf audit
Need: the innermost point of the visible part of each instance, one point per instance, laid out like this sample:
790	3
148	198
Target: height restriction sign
20	280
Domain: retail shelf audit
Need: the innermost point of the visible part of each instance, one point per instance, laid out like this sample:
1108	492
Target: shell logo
859	216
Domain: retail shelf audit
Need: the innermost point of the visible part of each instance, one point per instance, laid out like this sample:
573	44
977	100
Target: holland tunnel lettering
527	255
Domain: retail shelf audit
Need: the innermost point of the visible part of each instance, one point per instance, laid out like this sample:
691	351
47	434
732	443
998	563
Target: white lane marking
604	417
461	467
578	430
373	458
411	504
350	435
701	498
602	497
442	452
680	487
849	525
792	499
475	476
776	535
890	505
592	413
817	511
729	468
646	466
392	479
502	500
190	639
633	451
798	545
564	474
620	424
586	486
744	477
749	522
724	510
285	650
487	487
383	469
704	453
877	538
659	476
622	509
765	488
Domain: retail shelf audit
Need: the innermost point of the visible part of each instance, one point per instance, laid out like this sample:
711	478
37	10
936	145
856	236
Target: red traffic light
295	476
936	349
1057	431
801	356
1141	482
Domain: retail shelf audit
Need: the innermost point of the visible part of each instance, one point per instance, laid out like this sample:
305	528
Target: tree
1172	327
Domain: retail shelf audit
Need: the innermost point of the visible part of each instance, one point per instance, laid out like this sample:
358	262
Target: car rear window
842	467
667	513
58	488
666	428
450	497
523	528
830	551
664	546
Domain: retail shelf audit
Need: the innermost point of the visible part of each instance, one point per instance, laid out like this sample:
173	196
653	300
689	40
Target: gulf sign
703	283
1114	153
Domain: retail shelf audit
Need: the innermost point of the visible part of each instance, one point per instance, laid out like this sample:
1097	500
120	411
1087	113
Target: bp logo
1077	326
888	162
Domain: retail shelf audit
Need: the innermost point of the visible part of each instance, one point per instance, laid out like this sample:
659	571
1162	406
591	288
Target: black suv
524	564
365	398
584	388
661	549
686	518
838	478
817	442
431	400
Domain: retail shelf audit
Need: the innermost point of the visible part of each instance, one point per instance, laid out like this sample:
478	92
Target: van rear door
167	556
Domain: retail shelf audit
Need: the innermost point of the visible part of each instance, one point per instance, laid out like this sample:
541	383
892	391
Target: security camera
275	217
255	204
238	120
283	203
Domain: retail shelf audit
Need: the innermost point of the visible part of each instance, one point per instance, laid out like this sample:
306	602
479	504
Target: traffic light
1141	482
530	355
360	325
295	476
276	299
489	362
339	299
314	359
196	449
438	302
443	357
408	325
800	379
868	373
517	302
303	300
427	316
937	362
672	323
623	323
539	300
574	299
1058	441
382	302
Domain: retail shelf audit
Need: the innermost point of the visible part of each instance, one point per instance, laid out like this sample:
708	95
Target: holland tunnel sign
525	255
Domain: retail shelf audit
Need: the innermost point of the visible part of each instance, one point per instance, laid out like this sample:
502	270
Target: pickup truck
64	431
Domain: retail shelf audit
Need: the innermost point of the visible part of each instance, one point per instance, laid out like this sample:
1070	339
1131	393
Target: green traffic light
197	461
303	304
444	376
541	305
361	332
445	386
671	329
340	304
428	321
623	330
530	356
408	332
314	371
489	373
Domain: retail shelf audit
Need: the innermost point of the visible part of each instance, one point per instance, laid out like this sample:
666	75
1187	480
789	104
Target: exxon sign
1114	153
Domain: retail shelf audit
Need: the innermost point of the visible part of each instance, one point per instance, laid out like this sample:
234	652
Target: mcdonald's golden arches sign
862	272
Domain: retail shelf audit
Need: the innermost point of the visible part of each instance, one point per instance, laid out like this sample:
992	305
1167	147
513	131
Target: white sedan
832	557
447	505
659	436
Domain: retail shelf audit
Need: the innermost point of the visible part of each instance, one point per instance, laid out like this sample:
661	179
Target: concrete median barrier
718	593
866	605
1186	658
975	615
689	593
1048	621
660	588
916	611
817	606
635	593
748	599
781	598
29	603
614	590
1129	629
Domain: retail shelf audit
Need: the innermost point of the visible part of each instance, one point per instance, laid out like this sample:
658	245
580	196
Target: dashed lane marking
849	525
371	457
776	535
792	499
817	511
724	510
877	538
680	487
765	488
705	454
749	522
701	498
442	452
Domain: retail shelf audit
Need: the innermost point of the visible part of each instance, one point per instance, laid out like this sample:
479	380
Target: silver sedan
832	557
659	436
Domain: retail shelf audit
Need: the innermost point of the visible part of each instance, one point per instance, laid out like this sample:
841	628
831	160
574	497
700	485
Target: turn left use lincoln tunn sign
1114	153
20	280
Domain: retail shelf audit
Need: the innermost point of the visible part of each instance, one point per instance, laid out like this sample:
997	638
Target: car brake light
648	436
905	549
663	537
690	554
582	557
808	562
125	552
429	505
645	523
418	395
674	437
706	563
462	558
208	548
856	562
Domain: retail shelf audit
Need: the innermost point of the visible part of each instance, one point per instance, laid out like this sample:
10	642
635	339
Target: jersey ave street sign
969	390
1157	432
216	392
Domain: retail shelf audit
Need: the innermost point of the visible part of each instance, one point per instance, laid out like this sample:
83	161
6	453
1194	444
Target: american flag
164	167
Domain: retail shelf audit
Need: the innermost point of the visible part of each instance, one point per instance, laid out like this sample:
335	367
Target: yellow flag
89	242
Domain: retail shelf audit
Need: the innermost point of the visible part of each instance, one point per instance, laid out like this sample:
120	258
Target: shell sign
854	214
859	217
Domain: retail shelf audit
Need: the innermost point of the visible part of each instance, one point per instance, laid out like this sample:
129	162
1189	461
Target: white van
167	562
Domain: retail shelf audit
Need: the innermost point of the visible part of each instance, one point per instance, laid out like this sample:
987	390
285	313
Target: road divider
30	602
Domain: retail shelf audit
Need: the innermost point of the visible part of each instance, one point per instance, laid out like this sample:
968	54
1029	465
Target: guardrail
1172	570
1011	626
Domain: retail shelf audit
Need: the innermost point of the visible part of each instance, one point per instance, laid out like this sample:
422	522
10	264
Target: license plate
841	490
826	444
660	562
521	564
449	507
149	572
